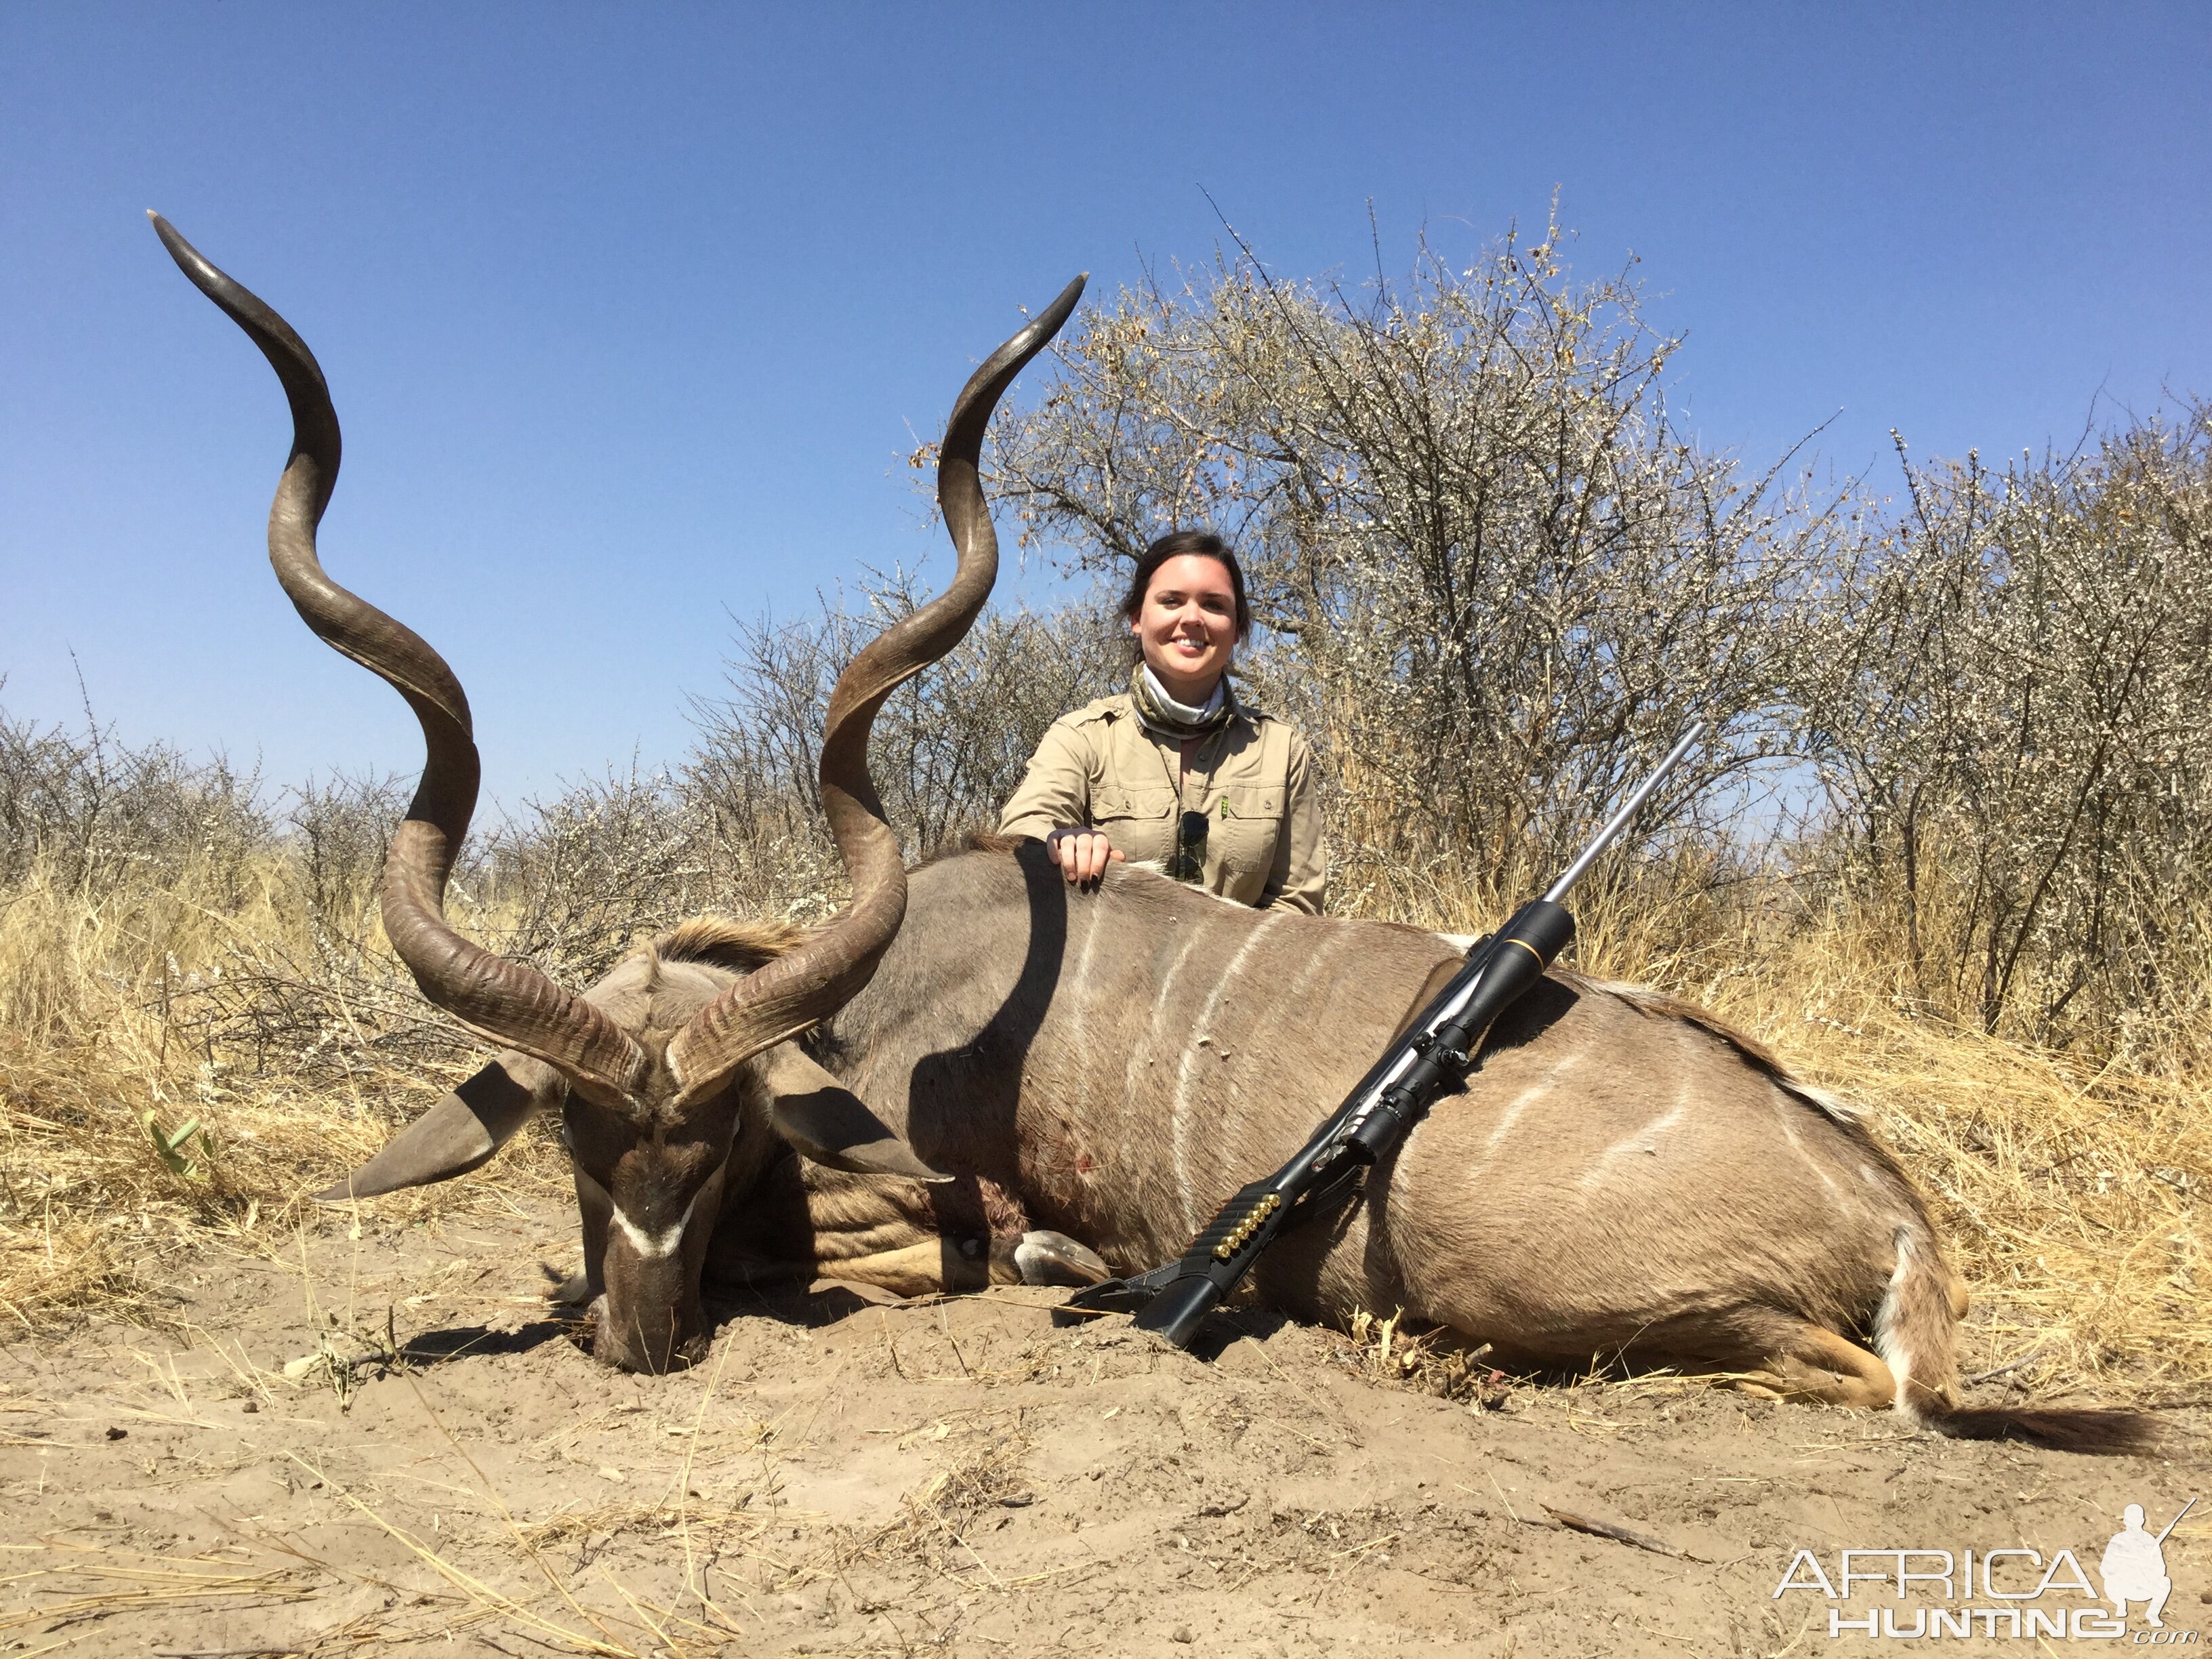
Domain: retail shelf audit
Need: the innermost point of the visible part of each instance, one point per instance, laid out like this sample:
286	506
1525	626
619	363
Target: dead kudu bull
1622	1177
683	1100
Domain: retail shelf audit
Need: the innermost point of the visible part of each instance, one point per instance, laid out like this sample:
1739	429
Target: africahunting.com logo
1915	1594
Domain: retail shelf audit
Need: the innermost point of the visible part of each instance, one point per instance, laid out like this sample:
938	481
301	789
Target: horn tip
179	250
1055	315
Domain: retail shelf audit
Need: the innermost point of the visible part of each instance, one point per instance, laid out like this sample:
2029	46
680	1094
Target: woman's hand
1083	856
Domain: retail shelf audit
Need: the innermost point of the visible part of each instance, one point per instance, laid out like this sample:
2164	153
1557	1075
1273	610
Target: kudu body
1623	1177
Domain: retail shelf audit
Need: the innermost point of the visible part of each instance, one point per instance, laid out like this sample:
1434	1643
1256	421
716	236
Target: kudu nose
651	1319
652	1351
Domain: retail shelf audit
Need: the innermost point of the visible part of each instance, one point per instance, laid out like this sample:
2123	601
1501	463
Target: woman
1175	770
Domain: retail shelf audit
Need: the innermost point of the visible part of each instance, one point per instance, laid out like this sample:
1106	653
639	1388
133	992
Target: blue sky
631	313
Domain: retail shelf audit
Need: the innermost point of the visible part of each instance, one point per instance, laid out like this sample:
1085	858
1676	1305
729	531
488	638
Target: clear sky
631	313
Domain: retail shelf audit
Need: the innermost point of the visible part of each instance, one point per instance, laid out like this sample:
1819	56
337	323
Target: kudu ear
459	1133
831	1124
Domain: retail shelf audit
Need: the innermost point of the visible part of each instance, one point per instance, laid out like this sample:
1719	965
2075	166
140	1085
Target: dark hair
1206	545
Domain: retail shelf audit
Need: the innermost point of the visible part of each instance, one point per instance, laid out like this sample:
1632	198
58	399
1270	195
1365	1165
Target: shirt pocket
1247	821
1140	821
1114	800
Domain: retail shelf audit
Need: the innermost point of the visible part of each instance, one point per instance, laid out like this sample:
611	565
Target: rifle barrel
1620	821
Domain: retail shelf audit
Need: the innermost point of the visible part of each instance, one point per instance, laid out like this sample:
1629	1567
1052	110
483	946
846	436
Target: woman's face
1188	626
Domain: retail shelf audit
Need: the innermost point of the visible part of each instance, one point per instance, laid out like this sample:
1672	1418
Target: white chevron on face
653	1246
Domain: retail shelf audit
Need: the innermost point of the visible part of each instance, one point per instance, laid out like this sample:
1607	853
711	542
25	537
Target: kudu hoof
1049	1258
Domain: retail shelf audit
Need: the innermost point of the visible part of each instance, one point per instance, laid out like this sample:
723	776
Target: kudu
683	1098
1624	1178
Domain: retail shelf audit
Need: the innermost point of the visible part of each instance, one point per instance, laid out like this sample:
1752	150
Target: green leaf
169	1148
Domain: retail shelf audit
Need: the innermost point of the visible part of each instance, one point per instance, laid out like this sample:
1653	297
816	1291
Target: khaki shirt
1253	779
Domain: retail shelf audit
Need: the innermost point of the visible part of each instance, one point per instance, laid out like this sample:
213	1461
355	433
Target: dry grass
2072	1193
57	1584
1427	1359
979	1476
101	1005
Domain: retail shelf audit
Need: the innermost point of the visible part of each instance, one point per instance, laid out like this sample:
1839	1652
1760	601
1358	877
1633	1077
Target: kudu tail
1916	1331
2098	1432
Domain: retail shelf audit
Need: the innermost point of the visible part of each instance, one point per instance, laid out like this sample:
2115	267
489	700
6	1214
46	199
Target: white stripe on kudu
1201	1033
1643	1140
1079	1025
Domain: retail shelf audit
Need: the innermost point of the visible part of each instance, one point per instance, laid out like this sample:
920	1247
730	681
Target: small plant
171	1146
382	1356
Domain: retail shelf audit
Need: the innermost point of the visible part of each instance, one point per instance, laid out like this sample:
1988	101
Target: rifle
1431	1059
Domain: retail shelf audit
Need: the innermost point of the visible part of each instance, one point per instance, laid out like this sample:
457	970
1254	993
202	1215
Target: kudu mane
961	842
741	945
727	942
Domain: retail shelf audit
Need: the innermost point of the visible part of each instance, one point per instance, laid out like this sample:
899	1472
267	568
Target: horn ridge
505	1000
782	997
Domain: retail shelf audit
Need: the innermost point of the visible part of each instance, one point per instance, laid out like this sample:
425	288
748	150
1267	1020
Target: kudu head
665	1068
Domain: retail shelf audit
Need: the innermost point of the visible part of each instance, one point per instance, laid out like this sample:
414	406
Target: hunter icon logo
2013	1592
2134	1567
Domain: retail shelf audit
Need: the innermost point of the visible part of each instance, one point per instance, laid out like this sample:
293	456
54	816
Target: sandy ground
385	1443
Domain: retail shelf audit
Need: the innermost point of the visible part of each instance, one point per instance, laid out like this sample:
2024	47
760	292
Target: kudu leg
1806	1362
1760	1351
963	1234
1035	1257
903	1237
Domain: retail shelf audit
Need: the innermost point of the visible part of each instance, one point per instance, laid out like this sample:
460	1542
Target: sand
386	1442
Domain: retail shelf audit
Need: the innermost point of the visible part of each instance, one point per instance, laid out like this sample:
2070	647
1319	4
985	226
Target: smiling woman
1176	770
